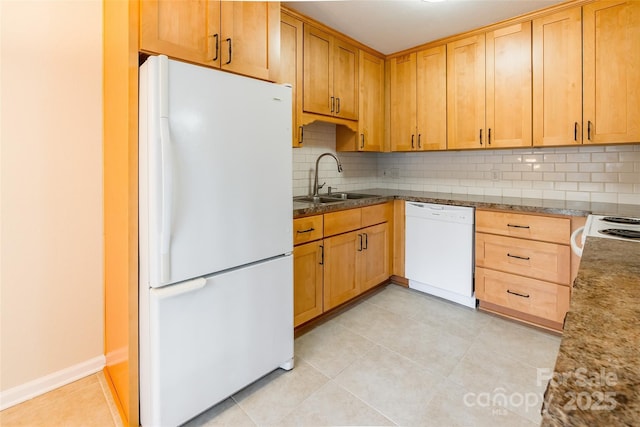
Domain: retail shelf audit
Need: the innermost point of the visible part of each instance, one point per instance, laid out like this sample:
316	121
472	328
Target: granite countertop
543	206
596	380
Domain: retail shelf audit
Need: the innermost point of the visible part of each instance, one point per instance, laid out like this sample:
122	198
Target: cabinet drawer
523	294
376	214
342	221
307	229
539	260
535	227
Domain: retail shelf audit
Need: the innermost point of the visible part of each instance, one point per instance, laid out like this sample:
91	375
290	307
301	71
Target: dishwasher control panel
449	213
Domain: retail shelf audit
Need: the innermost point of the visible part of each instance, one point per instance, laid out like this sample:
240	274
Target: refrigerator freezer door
209	340
215	171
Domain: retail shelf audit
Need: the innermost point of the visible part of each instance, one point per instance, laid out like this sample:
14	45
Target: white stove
607	227
612	227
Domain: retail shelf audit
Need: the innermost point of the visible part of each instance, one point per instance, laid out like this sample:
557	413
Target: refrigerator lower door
210	337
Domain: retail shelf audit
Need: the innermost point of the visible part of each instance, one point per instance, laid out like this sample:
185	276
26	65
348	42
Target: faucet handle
321	185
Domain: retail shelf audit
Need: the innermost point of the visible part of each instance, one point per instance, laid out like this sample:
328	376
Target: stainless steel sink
332	198
317	199
350	196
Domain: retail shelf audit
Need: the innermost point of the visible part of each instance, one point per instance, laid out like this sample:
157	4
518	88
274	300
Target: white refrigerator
215	232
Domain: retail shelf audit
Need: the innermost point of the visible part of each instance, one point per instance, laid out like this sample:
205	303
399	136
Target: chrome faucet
317	187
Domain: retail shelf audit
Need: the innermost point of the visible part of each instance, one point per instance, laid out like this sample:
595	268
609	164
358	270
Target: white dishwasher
439	250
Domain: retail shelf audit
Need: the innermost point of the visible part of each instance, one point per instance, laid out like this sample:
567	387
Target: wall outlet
496	175
390	173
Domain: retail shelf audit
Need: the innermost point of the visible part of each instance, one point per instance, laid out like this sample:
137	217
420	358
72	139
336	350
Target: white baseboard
39	386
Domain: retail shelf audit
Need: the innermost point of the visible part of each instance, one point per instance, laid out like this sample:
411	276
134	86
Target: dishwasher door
439	250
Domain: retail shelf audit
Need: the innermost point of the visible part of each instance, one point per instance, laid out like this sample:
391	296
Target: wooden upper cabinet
291	69
250	38
557	79
242	37
431	102
187	30
330	75
611	60
466	93
345	80
371	103
508	86
403	102
317	71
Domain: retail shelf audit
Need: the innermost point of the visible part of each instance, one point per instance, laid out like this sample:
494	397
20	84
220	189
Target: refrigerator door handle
167	194
166	170
179	289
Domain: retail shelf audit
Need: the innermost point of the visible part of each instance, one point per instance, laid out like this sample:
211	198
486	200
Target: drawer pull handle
526	258
308	230
517	226
517	294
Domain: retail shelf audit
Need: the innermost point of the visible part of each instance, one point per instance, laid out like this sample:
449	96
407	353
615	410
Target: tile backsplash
586	173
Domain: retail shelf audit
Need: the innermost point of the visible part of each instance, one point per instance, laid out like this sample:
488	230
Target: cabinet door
185	30
307	282
250	42
371	103
466	93
557	79
340	268
374	258
403	102
431	98
611	31
508	104
291	68
317	71
345	80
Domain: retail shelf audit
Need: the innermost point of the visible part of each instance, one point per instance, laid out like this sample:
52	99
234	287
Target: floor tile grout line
366	404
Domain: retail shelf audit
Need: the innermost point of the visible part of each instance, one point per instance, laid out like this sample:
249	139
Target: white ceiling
390	26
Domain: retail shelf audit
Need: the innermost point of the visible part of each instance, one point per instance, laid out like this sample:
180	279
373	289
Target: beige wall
51	265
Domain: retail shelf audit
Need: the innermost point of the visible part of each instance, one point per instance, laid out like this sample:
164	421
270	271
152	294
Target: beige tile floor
397	358
86	402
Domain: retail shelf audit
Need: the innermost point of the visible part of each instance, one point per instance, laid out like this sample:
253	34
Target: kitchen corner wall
608	173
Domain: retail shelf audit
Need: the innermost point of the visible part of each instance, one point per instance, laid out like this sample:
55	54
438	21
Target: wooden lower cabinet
523	266
375	265
523	294
350	256
530	258
341	270
308	279
355	262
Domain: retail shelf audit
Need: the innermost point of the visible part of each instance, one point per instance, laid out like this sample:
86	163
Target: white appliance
607	227
439	250
216	270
